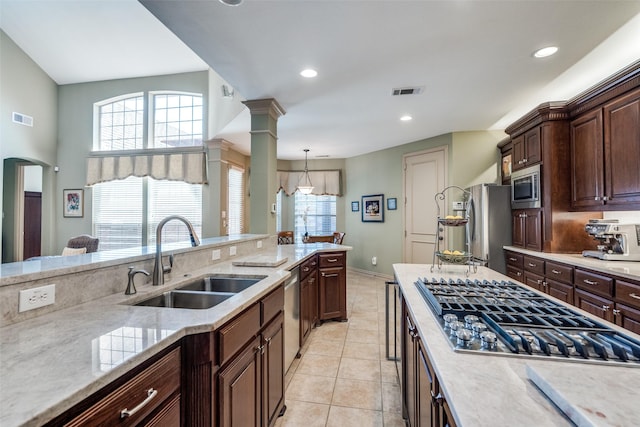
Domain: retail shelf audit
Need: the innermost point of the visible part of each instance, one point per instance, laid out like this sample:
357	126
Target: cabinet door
239	388
427	409
507	166
518	228
305	311
594	304
519	153
532	147
273	369
535	281
587	175
628	318
622	149
168	416
409	370
313	299
560	290
533	229
333	293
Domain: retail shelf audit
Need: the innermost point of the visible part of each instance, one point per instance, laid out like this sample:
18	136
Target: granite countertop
493	390
52	362
627	269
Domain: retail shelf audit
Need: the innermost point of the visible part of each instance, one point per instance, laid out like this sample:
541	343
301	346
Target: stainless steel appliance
504	318
617	242
291	318
489	224
525	188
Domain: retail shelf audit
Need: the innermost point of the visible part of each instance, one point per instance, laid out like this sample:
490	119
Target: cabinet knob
616	311
518	274
524	160
436	399
596	198
605	198
605	308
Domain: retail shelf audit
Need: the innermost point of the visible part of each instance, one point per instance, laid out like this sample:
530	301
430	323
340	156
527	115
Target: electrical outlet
374	260
259	244
232	250
37	297
215	254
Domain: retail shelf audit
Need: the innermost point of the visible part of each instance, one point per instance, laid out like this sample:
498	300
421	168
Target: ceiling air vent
407	91
23	119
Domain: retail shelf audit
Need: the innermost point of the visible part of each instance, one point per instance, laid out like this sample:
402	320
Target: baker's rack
444	256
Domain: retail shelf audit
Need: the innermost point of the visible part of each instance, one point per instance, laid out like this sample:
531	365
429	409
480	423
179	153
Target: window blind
236	201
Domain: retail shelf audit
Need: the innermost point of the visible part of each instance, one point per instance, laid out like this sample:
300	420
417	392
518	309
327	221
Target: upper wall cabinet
605	154
527	149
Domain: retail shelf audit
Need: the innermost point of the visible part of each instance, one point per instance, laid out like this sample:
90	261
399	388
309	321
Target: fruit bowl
454	258
453	221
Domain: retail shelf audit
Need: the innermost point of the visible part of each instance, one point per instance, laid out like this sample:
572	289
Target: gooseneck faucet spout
158	269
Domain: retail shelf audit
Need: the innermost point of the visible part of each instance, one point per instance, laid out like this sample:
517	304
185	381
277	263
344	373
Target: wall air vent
417	90
22	119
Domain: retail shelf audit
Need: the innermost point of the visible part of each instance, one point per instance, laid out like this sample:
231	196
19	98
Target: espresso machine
616	242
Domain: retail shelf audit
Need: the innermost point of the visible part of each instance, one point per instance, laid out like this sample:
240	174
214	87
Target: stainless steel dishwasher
291	318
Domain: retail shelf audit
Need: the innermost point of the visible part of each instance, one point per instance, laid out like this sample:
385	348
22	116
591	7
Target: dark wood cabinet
527	149
423	403
308	297
622	151
605	151
627	317
239	385
332	286
527	228
562	291
149	395
594	304
273	369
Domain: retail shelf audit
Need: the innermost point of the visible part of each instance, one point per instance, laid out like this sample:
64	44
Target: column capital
265	106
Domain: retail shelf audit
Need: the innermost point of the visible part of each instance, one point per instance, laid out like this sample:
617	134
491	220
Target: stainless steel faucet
158	268
131	286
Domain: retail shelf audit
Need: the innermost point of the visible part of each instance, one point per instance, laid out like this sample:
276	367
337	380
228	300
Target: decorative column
264	162
214	195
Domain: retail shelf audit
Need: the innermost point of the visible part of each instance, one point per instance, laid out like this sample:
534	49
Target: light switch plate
259	244
232	250
37	297
215	254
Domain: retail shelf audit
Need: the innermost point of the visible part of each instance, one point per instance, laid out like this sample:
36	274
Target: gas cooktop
504	318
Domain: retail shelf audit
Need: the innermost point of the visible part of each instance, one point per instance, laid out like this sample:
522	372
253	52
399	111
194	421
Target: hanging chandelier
305	186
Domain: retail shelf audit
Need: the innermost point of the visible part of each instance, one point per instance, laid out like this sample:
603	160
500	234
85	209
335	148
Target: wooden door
518	228
533	229
598	306
305	310
622	150
532	147
587	150
32	224
333	298
273	369
239	385
425	174
519	153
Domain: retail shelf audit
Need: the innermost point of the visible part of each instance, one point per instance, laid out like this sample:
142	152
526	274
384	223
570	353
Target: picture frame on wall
355	206
373	208
73	203
392	204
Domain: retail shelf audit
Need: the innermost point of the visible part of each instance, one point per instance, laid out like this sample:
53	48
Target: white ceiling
473	58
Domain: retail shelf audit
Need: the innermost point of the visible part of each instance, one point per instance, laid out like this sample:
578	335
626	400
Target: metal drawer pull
590	282
332	260
518	273
306	269
634	295
532	265
329	275
513	259
151	393
554	271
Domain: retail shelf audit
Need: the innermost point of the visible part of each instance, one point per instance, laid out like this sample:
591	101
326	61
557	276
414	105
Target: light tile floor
343	378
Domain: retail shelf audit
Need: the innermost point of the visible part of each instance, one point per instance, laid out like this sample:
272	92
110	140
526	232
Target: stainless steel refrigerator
490	224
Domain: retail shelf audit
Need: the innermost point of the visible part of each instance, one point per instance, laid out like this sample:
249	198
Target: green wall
26	89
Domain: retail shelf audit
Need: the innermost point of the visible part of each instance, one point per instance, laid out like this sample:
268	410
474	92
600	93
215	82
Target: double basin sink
203	293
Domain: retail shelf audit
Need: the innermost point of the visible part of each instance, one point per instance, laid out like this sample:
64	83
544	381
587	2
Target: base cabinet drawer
138	398
628	293
594	304
558	272
560	290
515	273
628	318
594	283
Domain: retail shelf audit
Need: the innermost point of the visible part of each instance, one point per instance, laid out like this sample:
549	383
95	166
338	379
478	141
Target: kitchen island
52	362
497	390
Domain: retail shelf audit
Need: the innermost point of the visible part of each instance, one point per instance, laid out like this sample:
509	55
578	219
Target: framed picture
373	208
392	204
355	206
73	203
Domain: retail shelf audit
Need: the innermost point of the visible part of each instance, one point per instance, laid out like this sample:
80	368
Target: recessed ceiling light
406	118
308	73
545	51
231	2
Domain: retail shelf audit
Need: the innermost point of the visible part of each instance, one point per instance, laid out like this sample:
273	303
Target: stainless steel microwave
525	188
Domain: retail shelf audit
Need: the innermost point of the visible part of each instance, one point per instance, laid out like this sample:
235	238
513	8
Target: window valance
325	182
190	166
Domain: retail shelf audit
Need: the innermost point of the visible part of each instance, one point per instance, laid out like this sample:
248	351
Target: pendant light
305	185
